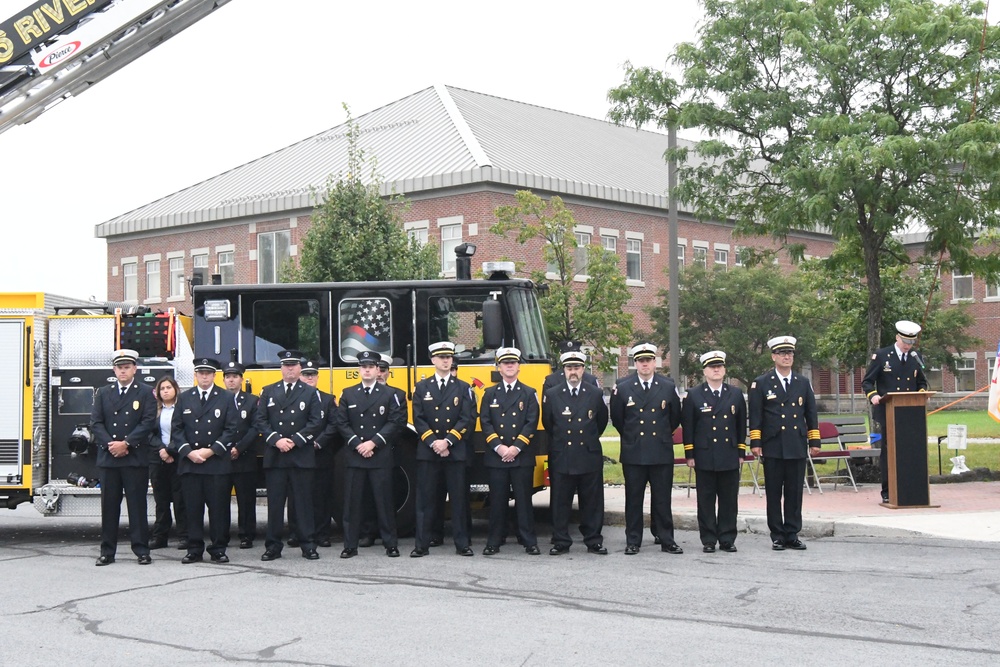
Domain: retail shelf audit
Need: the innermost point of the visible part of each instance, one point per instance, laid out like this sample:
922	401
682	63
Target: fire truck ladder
121	33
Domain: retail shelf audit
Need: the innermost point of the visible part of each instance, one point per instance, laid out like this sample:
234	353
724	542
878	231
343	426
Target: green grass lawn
978	455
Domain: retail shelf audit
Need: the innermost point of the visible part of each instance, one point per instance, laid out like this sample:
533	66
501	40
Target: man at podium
893	368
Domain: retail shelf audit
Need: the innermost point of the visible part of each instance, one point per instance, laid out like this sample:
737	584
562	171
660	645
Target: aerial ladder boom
44	61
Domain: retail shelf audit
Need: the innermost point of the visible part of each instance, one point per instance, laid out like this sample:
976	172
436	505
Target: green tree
737	312
356	233
591	314
859	118
838	301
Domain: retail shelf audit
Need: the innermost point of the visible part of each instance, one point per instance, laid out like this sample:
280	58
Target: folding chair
682	460
829	434
748	460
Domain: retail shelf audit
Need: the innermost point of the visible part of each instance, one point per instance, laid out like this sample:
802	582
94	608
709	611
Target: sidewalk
967	511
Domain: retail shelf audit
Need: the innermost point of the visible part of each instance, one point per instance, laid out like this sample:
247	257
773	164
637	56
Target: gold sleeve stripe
491	437
755	434
426	434
813	434
688	448
871	393
455	433
523	439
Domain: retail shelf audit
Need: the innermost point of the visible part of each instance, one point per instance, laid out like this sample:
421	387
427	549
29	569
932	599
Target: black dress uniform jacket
575	426
328	441
646	419
450	415
247	438
783	425
130	417
509	418
378	417
886	373
297	416
715	429
196	426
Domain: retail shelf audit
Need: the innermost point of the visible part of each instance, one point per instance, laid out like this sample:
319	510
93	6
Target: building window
227	267
609	243
153	279
176	276
993	291
273	250
738	256
451	238
633	259
418	235
721	259
961	287
130	286
935	379
965	374
199	263
580	255
680	254
701	257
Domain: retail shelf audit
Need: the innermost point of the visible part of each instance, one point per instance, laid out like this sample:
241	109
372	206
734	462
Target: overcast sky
253	78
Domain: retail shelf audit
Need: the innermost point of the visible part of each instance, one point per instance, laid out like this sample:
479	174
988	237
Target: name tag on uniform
270	402
771	396
567	411
187	411
352	406
706	408
630	402
494	404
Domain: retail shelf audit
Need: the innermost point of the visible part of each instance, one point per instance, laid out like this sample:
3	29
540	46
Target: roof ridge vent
464	131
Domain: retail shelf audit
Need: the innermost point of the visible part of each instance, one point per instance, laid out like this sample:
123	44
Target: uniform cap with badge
508	354
442	348
713	358
310	367
908	331
782	344
206	364
234	368
384	362
573	357
290	357
125	357
643	351
368	358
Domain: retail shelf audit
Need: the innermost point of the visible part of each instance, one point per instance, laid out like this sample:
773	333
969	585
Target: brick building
456	156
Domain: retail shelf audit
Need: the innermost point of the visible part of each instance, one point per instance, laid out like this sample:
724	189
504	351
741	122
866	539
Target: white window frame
964	364
609	243
633	250
272	265
992	292
721	257
152	280
955	282
700	256
580	254
451	238
221	265
175	267
418	229
130	281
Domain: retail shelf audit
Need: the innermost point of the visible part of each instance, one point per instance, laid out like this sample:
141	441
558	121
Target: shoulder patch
753	385
874	357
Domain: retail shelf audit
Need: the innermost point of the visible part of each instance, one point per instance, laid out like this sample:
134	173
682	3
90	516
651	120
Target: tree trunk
873	275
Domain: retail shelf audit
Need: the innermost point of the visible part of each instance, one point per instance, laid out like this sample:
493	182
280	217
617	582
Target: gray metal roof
436	138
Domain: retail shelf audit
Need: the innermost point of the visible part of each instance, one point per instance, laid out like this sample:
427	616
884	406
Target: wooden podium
905	443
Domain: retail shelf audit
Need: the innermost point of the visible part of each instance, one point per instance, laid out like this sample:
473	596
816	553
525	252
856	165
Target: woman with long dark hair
163	470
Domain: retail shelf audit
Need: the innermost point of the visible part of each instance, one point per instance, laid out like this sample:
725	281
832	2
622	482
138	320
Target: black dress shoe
158	543
144	559
246	544
392	552
491	551
324	542
292	542
191	558
709	548
777	545
795	544
656	539
559	550
728	546
631	549
436	542
464	551
598	549
220	558
532	550
348	553
885	497
182	545
419	553
671	549
270	555
104	560
366	542
310	554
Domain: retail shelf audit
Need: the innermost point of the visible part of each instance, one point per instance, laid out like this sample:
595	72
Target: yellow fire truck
55	353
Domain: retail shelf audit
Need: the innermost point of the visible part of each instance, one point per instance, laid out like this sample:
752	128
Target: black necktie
785	380
574	391
204	397
645	386
507	388
716	392
368	391
442	384
122	390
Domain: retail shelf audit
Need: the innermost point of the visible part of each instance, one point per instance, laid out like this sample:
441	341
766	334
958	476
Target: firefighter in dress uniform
444	414
203	428
243	453
289	418
370	418
893	368
326	444
575	416
646	409
122	420
784	426
509	418
714	423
